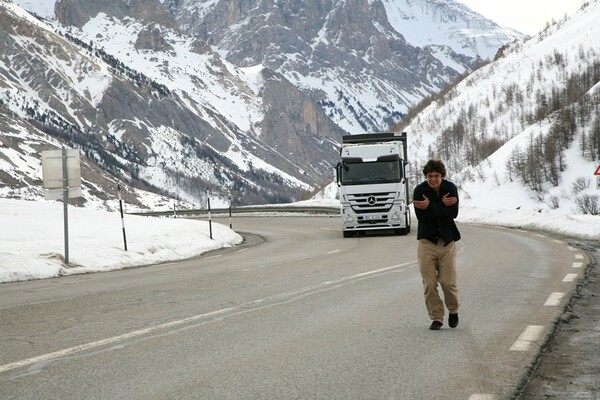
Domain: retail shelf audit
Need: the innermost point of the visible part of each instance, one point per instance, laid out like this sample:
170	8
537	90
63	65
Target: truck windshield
370	172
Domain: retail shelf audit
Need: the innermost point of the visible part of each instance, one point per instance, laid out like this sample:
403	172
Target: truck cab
372	182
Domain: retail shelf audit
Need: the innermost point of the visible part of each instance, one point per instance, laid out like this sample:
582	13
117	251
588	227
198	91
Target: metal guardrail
244	210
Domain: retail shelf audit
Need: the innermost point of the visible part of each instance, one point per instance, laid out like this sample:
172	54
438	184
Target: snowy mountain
440	25
158	110
365	62
528	122
243	99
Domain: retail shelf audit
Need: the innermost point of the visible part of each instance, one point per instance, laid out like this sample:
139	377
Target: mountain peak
245	98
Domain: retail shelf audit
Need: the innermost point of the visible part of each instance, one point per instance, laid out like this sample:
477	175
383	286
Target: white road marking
254	269
481	396
577	265
579	256
334	251
540	235
570	278
572	248
554	299
530	335
558	241
104	342
229	310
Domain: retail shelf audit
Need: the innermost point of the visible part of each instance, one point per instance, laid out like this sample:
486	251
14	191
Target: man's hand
449	201
421	204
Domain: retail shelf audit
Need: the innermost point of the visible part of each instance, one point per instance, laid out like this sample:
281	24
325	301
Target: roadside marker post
209	218
230	224
122	219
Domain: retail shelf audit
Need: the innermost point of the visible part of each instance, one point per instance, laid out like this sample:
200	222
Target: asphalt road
298	312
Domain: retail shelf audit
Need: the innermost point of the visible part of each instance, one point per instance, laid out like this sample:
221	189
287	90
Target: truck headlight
348	217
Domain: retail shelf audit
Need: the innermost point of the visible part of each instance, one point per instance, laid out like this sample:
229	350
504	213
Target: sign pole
65	203
61	170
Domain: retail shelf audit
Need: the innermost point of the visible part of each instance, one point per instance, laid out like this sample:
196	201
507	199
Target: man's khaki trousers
437	263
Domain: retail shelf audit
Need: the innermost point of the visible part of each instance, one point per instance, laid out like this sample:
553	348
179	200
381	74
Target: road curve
301	313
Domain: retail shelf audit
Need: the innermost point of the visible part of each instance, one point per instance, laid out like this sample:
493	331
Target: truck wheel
347	234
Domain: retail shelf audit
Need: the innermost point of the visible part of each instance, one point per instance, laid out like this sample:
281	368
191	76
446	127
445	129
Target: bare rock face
78	12
151	38
199	46
298	127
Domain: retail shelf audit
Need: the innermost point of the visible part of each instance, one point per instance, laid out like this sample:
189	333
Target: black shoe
453	320
435	325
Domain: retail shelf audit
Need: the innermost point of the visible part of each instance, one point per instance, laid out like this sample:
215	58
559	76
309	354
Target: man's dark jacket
437	221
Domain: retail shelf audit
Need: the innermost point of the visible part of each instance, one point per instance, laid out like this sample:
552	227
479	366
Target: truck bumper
394	218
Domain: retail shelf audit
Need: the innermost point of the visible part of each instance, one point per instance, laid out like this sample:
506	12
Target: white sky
526	16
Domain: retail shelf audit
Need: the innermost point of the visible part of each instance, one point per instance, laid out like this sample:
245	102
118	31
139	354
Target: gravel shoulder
569	365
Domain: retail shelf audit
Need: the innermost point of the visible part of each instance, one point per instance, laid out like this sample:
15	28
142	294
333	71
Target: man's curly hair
434	166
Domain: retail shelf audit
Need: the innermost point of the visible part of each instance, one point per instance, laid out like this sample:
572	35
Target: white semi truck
373	184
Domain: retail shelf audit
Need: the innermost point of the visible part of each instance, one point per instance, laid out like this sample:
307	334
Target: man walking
436	205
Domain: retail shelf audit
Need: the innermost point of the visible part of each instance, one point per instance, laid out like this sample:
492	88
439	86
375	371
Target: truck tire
348	234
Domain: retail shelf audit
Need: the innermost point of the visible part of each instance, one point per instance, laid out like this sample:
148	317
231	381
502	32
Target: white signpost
61	170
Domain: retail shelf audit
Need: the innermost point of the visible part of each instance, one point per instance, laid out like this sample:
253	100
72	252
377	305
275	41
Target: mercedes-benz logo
371	200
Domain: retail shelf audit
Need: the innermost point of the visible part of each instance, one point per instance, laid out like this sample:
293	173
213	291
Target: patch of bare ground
569	365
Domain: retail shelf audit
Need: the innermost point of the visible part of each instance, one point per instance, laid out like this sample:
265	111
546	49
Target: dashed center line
111	340
224	312
577	265
570	278
579	256
254	269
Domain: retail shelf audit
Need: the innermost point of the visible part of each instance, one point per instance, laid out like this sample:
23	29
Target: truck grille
371	202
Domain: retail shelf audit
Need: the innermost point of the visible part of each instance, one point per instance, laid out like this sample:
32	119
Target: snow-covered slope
527	123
